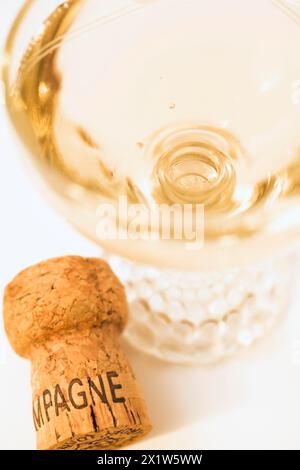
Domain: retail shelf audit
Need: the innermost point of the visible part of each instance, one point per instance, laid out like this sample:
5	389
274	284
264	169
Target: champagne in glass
171	104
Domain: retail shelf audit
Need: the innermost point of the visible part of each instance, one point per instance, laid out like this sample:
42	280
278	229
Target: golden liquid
184	161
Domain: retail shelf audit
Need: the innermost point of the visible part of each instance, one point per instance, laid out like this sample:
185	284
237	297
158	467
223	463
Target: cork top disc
62	294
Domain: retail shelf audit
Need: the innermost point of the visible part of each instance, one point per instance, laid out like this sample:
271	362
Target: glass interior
144	99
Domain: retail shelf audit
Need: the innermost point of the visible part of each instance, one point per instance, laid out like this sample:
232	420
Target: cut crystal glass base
191	318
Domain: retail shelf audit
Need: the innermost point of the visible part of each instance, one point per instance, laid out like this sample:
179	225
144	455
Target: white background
250	402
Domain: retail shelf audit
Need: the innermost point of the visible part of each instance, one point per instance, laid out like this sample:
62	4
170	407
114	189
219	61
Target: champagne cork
66	316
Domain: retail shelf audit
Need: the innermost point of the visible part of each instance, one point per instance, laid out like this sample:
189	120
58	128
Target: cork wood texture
66	315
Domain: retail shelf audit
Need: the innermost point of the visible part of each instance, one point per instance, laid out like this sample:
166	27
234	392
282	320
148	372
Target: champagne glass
134	113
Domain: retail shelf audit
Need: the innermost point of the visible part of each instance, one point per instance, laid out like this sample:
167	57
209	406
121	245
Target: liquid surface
144	99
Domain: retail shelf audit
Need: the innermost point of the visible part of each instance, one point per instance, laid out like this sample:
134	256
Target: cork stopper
66	316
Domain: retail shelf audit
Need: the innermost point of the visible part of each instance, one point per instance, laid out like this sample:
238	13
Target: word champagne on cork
66	316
